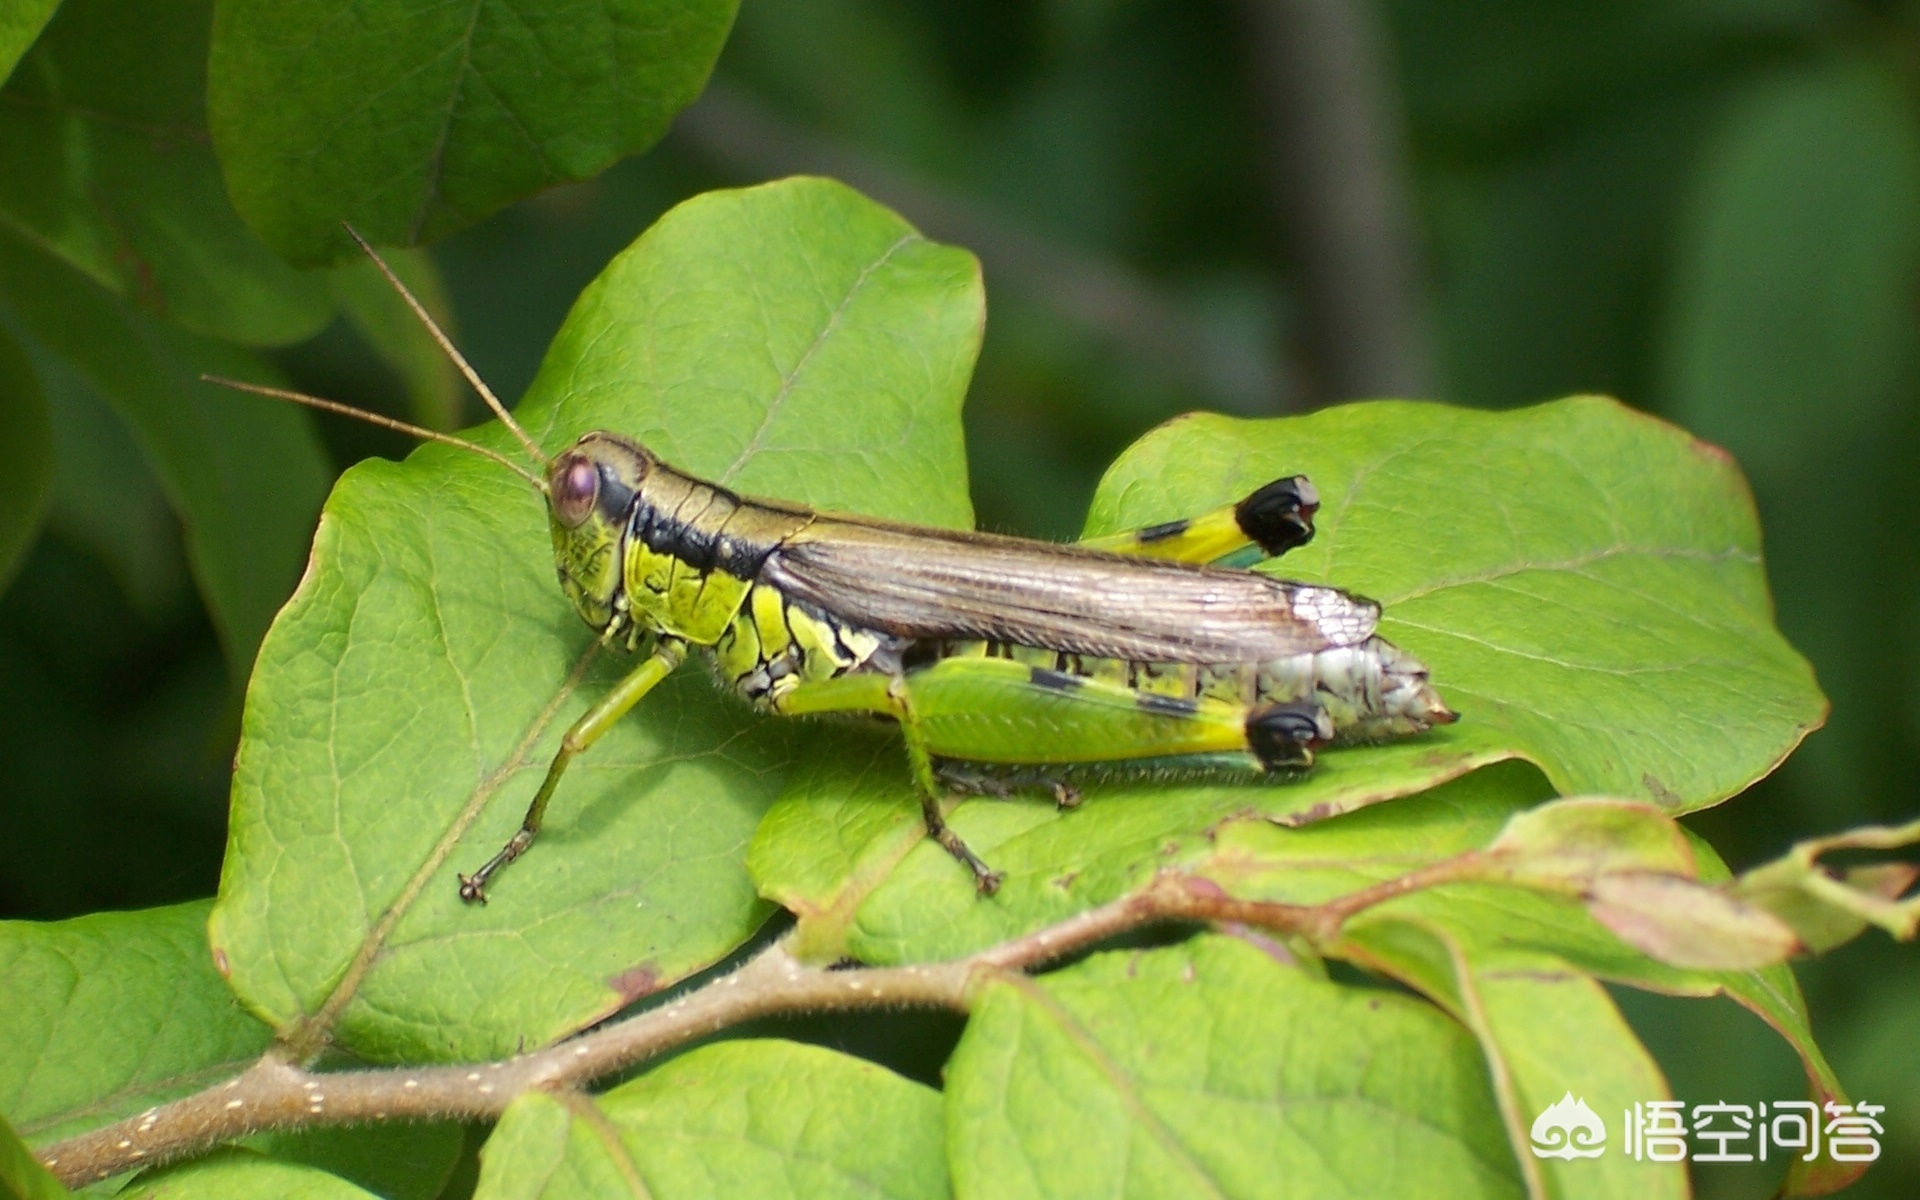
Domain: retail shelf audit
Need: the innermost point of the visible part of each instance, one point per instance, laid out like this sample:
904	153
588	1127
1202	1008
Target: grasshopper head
1408	703
590	495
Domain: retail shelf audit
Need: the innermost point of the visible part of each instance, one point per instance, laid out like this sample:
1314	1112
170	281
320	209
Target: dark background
1709	208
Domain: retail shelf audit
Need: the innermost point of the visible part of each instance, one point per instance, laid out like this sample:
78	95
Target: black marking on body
922	652
1166	706
1054	681
693	541
613	498
1162	531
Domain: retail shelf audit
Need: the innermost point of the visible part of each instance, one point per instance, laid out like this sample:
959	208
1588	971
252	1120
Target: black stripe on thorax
697	538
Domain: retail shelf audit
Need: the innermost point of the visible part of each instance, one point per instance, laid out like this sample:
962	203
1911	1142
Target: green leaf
1216	1068
26	446
749	1118
792	339
395	1160
413	120
21	1173
243	1175
245	475
110	1014
1792	326
105	160
1529	1011
130	528
20	23
1583	580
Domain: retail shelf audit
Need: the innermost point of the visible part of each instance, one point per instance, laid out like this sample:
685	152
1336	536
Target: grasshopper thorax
591	488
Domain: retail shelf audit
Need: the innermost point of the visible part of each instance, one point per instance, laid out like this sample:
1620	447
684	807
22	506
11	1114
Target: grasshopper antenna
446	345
348	410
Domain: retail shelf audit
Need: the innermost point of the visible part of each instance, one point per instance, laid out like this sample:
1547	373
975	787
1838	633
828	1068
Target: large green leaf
110	1014
751	1118
1215	1069
104	160
26	447
1583	580
793	339
411	120
245	475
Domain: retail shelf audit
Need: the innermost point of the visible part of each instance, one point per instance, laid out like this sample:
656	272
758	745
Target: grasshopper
1003	661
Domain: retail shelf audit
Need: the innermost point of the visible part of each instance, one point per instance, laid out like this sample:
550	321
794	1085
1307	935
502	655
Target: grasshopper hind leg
1265	524
1283	736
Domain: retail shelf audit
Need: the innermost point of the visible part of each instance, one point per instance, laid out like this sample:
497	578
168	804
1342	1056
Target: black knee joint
1279	516
1284	735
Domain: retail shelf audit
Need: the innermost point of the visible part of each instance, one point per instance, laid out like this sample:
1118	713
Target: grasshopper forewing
1002	660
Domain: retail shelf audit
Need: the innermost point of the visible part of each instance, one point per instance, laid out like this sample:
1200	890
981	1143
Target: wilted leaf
1680	922
1825	907
1574	841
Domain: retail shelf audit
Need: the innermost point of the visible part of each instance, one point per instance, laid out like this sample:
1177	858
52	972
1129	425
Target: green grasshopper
1004	661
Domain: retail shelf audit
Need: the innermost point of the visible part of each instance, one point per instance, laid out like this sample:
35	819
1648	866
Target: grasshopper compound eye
575	487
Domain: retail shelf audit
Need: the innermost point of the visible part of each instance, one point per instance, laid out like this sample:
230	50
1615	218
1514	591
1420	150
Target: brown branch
277	1093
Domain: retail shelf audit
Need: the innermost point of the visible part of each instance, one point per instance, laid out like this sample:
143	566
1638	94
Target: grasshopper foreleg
583	734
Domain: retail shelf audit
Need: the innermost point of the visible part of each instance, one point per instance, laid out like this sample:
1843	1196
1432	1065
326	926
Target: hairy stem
277	1093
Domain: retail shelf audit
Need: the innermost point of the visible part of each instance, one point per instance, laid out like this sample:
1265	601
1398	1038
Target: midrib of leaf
586	1111
1574	565
436	157
309	1035
779	399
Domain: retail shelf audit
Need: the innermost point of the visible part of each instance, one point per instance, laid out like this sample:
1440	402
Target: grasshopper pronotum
1003	660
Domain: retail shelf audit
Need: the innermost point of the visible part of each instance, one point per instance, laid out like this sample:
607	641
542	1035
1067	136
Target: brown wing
928	583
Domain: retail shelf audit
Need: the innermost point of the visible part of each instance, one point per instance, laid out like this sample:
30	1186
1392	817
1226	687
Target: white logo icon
1568	1129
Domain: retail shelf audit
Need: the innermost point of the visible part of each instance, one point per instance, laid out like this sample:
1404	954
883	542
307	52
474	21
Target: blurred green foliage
1710	208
